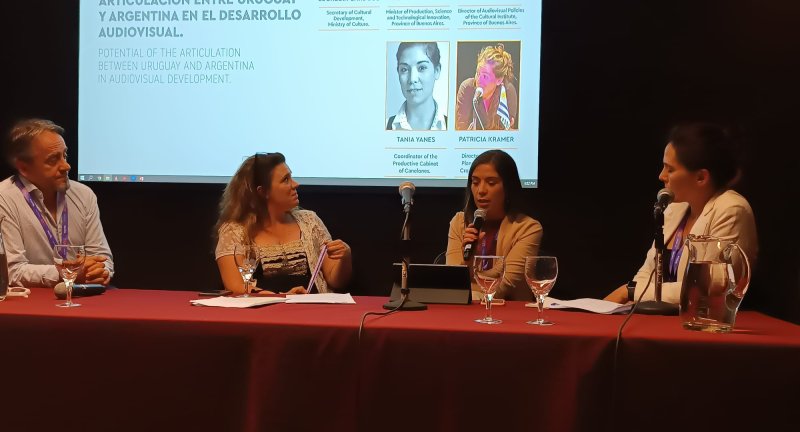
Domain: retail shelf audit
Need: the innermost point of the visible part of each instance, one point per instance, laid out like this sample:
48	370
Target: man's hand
94	271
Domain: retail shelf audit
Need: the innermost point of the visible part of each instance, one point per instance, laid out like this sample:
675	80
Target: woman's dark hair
505	166
707	146
241	202
431	50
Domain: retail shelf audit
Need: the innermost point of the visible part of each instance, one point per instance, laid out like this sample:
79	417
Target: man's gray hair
23	133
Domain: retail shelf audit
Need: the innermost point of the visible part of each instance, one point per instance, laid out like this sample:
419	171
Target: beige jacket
519	236
727	215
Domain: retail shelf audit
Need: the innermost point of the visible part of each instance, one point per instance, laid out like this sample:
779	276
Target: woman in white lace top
260	206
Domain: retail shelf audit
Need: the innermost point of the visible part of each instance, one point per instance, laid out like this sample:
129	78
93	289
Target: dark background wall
615	76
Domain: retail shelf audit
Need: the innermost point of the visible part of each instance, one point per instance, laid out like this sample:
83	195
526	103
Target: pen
317	267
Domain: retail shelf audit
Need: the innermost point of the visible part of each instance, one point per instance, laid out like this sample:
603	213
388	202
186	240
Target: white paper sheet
320	298
587	304
237	302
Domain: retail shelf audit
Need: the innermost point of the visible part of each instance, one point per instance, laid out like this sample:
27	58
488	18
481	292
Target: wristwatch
631	290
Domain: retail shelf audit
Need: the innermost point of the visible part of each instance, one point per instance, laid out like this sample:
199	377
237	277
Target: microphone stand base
652	307
409	305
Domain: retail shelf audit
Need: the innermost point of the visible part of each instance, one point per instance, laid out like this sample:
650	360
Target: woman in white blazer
700	166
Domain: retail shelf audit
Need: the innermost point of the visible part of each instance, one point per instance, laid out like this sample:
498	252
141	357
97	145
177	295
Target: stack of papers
237	302
320	298
246	302
587	304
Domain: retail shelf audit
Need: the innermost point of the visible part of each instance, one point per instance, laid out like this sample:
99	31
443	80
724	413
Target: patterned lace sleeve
320	231
319	234
229	235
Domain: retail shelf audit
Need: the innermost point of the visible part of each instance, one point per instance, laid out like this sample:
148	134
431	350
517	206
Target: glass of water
246	257
488	271
541	273
69	261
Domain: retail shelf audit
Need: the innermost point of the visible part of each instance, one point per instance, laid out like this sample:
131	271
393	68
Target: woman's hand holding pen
337	249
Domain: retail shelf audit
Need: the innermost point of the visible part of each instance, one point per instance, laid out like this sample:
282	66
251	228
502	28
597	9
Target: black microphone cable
403	298
614	388
389	312
405	223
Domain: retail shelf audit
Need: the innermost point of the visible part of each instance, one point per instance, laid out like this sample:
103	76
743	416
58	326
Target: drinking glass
246	257
488	271
541	273
69	262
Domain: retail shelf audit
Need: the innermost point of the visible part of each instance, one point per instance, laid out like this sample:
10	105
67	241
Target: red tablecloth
147	360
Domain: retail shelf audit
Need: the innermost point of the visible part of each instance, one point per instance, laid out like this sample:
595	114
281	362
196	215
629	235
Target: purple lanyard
64	217
677	249
485	247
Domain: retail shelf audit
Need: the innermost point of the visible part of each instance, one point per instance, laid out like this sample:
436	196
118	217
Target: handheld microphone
407	192
664	198
477	222
78	290
478	94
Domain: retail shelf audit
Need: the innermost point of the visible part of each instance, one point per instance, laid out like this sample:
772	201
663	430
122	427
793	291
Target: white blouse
313	235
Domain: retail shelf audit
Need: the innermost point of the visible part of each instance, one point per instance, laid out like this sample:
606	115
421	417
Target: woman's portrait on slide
417	85
488	77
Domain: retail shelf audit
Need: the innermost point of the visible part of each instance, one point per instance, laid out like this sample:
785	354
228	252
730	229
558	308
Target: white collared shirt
401	120
28	251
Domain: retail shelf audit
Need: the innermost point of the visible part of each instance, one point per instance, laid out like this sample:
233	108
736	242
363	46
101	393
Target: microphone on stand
656	306
475	99
407	192
404	302
477	221
478	94
664	198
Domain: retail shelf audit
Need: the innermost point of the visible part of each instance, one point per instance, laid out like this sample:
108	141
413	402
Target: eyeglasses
257	176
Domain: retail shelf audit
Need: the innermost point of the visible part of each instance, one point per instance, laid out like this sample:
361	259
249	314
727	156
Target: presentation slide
352	92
